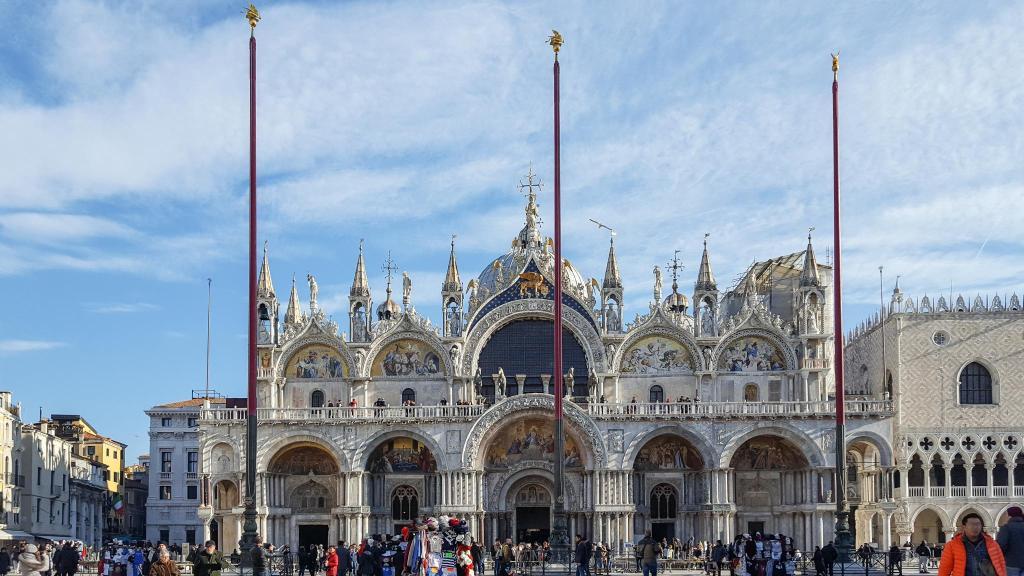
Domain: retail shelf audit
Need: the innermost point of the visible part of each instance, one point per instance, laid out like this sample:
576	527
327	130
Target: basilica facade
710	414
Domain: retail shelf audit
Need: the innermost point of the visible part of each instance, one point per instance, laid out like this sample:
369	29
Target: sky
124	182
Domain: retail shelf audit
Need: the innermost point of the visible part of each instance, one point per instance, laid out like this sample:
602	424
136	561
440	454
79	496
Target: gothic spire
612	278
294	313
706	278
265	286
809	275
452	282
360	285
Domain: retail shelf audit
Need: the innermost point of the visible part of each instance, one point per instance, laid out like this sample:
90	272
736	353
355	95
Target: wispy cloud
121	307
8	347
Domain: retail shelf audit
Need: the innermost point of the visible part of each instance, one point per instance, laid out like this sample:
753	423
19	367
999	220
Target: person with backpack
1011	540
648	553
924	554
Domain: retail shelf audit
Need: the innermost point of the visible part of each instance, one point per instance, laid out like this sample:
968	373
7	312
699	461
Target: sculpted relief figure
499	383
657	284
314	290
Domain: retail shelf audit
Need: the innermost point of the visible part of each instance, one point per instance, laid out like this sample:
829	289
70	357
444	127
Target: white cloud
20	346
121	307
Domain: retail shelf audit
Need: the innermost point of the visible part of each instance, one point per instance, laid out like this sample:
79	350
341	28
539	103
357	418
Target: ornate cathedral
711	414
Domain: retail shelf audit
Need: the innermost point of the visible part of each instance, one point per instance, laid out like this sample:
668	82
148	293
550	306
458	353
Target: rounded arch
483	329
637	339
226	495
589	434
222	459
506	485
338	356
877	441
722	353
979	510
810	450
282	442
943	517
977	383
370	445
303	458
700	443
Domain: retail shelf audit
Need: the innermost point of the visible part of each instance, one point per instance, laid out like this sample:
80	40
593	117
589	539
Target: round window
940	338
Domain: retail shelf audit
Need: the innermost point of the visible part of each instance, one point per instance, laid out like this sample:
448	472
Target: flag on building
118	505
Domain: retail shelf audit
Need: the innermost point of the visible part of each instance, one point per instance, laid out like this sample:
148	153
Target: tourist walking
208	561
33	562
332	561
895	561
163	565
829	555
1011	541
258	556
971	552
584	551
924	555
5	561
648	552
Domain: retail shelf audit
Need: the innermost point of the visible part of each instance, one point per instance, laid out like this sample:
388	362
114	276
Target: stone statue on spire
657	284
314	291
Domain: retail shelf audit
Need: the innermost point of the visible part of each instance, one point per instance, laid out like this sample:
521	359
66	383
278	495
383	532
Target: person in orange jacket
332	562
971	552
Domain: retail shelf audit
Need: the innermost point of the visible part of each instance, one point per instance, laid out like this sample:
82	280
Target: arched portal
779	487
225	501
403	483
532	500
523	348
928	527
670	483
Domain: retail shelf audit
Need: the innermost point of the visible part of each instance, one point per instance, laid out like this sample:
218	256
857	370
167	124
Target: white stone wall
180	512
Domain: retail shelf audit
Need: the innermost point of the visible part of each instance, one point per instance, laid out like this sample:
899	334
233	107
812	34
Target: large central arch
492	420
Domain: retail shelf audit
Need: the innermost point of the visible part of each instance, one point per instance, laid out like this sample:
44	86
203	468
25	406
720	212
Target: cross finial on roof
675	266
389	267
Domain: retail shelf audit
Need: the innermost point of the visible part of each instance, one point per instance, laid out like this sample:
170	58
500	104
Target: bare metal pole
209	299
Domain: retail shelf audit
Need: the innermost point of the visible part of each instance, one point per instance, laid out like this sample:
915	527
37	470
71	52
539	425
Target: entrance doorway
215	532
666	530
755	528
313	534
533	524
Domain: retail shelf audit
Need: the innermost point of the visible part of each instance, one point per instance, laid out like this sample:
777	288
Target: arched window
408	395
657	394
316	400
751	393
975	385
663	502
404	503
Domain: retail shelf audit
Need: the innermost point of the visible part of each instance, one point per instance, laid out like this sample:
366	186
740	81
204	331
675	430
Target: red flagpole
843	538
249	527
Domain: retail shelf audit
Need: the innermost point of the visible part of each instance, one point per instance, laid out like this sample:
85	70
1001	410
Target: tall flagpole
559	532
843	538
249	516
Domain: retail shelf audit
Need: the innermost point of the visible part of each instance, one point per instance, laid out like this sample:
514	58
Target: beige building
46	498
12	478
955	371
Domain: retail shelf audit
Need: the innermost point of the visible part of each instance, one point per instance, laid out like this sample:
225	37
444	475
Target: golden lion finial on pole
252	15
835	65
555	40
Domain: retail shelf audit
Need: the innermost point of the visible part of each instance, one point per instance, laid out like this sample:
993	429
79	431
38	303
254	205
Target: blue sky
124	138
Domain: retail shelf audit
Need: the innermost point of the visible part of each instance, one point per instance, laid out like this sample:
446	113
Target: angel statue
657	284
406	288
314	289
500	382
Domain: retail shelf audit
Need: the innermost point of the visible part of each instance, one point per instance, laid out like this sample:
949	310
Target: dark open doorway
313	534
533	523
666	530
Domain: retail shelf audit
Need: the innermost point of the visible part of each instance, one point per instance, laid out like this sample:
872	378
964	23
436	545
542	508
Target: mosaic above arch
668	453
402	455
316	361
768	453
303	460
529	439
407	357
751	354
656	355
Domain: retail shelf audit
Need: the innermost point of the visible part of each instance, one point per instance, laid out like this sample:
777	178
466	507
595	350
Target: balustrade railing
937	492
1000	491
915	491
958	491
624	411
979	491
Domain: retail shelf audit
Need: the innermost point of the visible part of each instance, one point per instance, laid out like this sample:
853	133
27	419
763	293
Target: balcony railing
815	363
937	492
165	475
1000	491
191	475
614	411
958	491
915	491
1018	491
17	480
979	491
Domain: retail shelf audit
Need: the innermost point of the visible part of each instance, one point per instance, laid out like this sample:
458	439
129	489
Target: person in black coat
584	551
819	562
5	561
829	555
